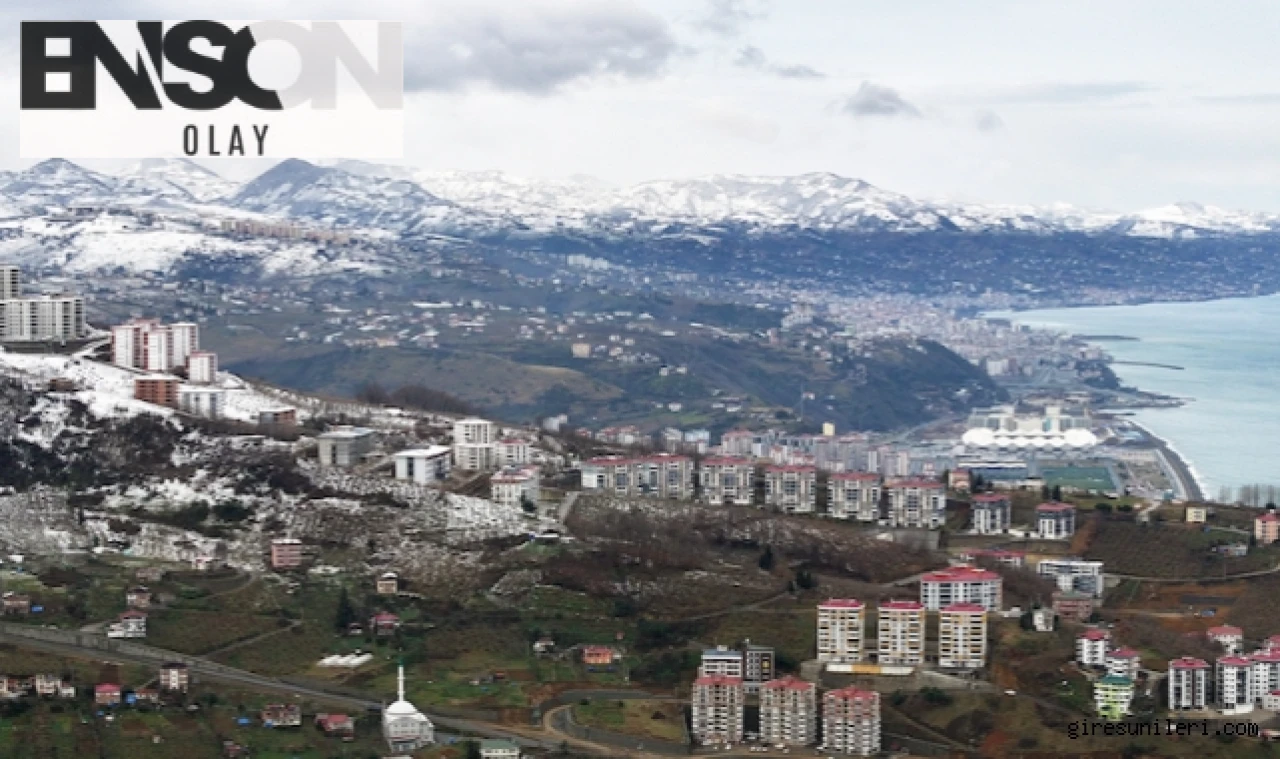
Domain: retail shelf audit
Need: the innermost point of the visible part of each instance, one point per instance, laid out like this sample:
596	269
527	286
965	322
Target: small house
544	647
599	655
388	584
336	725
384	624
131	624
106	694
175	677
282	715
499	749
138	598
16	604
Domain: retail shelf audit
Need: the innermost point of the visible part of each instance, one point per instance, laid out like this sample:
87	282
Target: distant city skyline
1116	106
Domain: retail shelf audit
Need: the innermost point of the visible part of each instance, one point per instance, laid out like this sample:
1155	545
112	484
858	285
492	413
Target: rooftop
965	608
840	603
1055	508
789	683
1188	662
1095	634
902	605
1225	630
718	680
959	574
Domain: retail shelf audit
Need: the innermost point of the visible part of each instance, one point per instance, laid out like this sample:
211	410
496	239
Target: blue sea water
1229	431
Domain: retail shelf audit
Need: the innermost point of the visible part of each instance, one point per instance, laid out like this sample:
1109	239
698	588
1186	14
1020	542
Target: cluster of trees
418	397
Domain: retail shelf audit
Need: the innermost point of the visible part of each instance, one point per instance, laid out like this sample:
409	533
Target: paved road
67	643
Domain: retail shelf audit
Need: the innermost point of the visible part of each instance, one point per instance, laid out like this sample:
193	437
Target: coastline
1188	481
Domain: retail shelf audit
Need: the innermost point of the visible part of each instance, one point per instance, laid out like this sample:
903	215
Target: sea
1228	354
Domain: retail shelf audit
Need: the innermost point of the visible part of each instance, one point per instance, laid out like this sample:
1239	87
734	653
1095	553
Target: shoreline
1189	482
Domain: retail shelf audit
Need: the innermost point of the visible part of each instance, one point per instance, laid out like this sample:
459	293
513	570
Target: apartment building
722	661
917	503
45	318
793	489
515	486
475	445
1229	637
855	495
717	704
759	663
990	514
1091	648
424	465
840	630
201	400
961	584
1112	697
1074	575
344	446
1233	683
1188	684
851	722
728	480
789	712
286	553
160	389
1056	521
1264	672
175	677
662	475
152	346
202	367
900	632
10	282
962	636
998	555
512	451
1266	528
1073	606
1124	662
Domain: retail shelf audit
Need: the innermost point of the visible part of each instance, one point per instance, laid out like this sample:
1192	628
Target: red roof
990	498
106	688
727	461
959	574
852	694
965	608
840	603
1124	653
797	468
1095	635
1225	630
386	617
917	483
902	605
660	458
1188	662
789	683
1270	655
855	477
1270	516
131	614
597	650
718	680
1234	661
1055	507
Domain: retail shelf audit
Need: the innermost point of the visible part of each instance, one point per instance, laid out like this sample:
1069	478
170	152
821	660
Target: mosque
403	726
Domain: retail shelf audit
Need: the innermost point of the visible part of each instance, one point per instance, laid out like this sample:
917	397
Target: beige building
717	703
900	632
793	489
962	636
789	712
851	722
917	503
728	480
840	630
855	495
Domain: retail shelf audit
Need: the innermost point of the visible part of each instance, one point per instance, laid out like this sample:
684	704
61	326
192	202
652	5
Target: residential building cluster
38	318
901	634
179	374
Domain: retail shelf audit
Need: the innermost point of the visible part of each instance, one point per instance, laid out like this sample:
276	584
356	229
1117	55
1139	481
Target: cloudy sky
1119	105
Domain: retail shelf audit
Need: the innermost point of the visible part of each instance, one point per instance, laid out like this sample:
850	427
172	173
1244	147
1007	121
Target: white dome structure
403	726
1007	428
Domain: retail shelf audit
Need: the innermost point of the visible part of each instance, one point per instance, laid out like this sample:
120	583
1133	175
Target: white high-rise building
991	513
1233	685
900	632
717	704
403	726
157	349
917	503
789	712
1091	648
961	584
43	318
721	661
202	367
855	495
840	630
962	636
1265	672
474	445
1188	683
10	282
851	722
184	339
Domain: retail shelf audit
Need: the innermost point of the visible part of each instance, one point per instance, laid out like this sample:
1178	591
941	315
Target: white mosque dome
1080	438
979	437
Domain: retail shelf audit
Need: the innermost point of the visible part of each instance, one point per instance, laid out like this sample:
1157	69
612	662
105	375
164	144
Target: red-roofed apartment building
961	585
717	704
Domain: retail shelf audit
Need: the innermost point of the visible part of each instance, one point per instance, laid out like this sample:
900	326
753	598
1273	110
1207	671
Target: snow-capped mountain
332	196
201	184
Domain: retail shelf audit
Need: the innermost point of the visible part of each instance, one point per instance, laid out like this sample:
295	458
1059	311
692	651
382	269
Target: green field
1080	477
